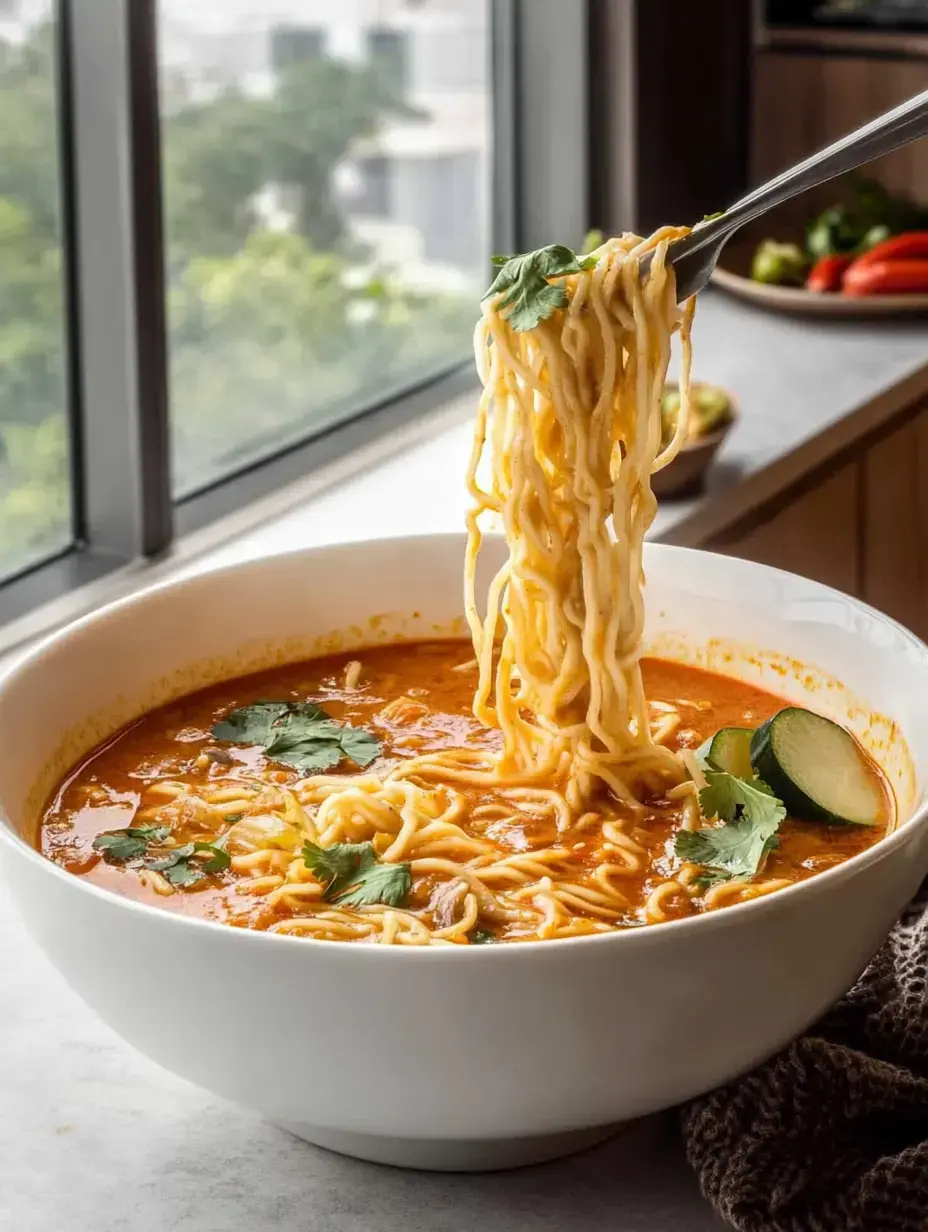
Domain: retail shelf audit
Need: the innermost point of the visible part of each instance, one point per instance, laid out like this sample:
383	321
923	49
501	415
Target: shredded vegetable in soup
218	806
539	782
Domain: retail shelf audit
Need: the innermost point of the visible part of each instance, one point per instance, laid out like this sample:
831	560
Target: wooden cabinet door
815	536
895	525
803	102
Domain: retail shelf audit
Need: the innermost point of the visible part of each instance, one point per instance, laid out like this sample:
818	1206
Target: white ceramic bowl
467	1058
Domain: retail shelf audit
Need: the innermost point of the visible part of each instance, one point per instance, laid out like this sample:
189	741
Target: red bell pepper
909	277
826	273
908	246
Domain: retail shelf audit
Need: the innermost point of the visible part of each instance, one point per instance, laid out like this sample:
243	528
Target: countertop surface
94	1138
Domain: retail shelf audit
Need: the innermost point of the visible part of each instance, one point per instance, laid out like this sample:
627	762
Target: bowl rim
640	935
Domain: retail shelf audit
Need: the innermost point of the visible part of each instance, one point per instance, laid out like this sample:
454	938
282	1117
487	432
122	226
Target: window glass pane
327	207
35	511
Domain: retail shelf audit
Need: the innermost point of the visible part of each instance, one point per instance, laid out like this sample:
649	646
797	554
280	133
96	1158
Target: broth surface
415	698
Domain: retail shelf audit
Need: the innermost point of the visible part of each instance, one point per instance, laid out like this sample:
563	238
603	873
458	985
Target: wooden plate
809	303
733	277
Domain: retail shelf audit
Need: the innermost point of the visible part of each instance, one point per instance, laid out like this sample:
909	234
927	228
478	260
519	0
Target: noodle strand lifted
573	412
567	436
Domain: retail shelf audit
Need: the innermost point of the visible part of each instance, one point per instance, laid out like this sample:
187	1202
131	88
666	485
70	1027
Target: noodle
576	435
568	433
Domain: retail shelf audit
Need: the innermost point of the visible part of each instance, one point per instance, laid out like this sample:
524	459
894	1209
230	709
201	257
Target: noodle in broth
567	436
572	413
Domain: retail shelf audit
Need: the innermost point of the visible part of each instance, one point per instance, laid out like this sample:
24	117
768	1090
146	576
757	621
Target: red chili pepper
909	245
886	278
825	274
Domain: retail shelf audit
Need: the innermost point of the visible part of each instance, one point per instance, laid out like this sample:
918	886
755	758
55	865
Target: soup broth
483	872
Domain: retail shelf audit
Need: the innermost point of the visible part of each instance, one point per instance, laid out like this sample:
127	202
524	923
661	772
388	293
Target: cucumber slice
818	769
729	749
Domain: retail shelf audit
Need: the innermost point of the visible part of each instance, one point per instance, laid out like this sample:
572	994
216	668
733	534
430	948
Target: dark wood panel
895	526
669	107
816	536
803	102
889	43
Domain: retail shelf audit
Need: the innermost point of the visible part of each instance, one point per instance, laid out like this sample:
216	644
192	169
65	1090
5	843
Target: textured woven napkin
831	1135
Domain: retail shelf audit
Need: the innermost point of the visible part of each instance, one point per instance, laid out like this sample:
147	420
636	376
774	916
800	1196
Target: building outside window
242	239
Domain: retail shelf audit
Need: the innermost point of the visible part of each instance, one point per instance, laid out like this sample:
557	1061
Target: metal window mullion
504	78
67	207
124	506
551	117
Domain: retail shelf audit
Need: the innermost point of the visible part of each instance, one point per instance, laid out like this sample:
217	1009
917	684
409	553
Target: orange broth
106	791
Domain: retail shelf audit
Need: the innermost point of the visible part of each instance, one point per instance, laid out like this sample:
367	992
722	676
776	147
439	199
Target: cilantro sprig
181	866
528	297
354	877
751	814
298	734
123	846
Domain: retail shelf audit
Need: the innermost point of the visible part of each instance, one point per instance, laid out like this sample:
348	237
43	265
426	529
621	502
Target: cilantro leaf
250	724
724	794
182	867
298	734
359	745
311	749
733	850
354	877
706	878
527	296
712	217
337	864
220	859
175	866
121	846
751	814
378	883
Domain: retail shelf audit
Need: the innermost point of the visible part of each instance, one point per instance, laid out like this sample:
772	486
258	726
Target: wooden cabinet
801	102
895	529
814	535
863	529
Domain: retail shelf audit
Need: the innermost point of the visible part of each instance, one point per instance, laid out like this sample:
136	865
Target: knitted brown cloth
831	1135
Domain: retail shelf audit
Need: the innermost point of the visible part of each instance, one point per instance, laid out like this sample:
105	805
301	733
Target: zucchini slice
818	770
729	749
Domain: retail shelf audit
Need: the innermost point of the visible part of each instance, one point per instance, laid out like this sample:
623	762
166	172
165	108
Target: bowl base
452	1155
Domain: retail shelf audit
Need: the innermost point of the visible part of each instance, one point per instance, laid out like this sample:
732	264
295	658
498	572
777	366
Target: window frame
124	514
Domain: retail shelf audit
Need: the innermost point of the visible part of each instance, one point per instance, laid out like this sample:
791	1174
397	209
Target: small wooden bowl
687	472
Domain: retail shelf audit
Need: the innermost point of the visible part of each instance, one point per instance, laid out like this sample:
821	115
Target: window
326	215
239	241
35	499
386	50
